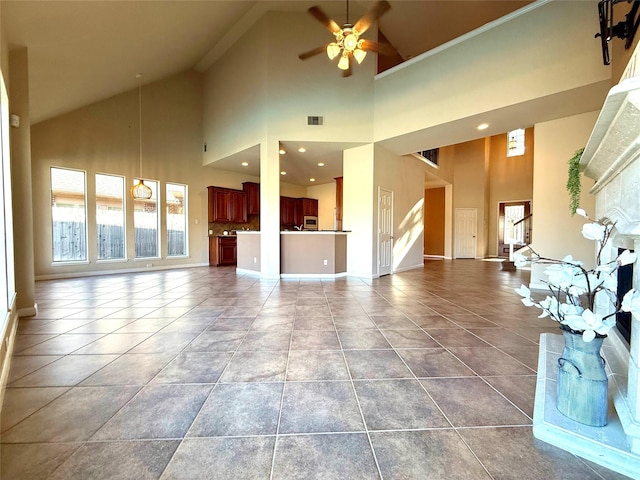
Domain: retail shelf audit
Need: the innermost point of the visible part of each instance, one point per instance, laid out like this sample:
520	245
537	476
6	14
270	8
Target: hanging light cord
140	125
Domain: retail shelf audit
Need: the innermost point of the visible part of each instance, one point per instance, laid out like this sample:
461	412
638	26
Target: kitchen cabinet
227	205
288	211
252	190
305	207
222	251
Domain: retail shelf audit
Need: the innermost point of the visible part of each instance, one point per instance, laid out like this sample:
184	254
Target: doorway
466	242
385	231
514	226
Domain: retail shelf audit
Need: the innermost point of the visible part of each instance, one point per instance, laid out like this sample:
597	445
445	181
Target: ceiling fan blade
324	19
379	9
380	48
312	53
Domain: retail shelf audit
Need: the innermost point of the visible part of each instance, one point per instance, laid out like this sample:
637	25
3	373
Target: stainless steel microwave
310	223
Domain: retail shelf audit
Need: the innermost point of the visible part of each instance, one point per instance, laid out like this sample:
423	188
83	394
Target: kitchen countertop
315	231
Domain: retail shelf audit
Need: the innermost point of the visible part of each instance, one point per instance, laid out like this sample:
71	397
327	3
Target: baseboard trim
313	275
28	311
6	349
58	276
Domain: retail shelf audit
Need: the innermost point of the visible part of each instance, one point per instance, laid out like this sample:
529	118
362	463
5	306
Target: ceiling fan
348	43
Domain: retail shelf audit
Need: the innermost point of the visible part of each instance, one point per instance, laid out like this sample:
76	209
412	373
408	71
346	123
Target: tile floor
202	374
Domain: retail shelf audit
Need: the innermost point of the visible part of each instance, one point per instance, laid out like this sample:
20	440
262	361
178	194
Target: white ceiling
81	52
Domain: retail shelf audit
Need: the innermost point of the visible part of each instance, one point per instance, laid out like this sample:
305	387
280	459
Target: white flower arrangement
573	289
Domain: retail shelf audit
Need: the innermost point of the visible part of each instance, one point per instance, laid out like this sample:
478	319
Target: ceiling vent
315	120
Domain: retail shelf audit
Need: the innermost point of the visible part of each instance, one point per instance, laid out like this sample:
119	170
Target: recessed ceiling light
302	149
283	172
245	164
483	126
282	151
321	164
312	179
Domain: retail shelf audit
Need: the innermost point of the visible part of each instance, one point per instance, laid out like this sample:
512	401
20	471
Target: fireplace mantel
611	158
613	148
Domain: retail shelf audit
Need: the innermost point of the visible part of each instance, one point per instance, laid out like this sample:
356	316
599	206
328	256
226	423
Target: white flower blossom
520	260
582	212
561	274
631	303
626	258
590	323
594	231
523	291
574	288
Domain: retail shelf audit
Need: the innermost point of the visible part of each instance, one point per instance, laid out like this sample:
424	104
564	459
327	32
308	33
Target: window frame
124	219
185	215
158	254
86	222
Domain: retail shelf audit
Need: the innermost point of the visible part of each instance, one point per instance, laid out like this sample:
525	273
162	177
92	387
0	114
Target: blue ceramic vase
582	380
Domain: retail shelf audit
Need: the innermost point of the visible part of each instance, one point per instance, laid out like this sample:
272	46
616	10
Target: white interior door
385	231
466	231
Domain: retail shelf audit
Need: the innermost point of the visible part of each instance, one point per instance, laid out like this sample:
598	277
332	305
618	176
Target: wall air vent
315	120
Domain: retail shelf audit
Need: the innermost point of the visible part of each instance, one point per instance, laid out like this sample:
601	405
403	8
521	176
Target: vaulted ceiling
84	51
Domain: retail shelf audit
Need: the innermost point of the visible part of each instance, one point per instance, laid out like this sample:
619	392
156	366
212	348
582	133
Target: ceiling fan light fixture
333	50
343	63
351	41
359	55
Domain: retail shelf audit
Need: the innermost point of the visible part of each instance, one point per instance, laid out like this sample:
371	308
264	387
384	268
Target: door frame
379	242
456	251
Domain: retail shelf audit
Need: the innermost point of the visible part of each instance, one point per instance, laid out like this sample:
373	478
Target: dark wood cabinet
222	251
227	205
305	207
238	212
252	190
308	206
288	211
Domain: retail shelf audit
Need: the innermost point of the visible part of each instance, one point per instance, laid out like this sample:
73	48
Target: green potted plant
573	181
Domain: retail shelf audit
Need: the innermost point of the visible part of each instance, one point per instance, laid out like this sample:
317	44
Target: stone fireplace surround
612	159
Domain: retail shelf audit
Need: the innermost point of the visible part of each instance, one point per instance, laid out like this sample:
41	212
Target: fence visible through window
145	222
110	227
176	216
68	215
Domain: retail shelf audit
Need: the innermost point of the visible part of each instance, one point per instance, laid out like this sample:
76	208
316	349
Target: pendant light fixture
140	191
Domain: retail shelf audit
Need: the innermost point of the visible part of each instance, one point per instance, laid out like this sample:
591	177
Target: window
7	269
431	155
146	218
176	220
68	215
515	142
110	230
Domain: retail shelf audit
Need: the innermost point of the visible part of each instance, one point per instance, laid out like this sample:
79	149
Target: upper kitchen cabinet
288	211
227	205
305	207
252	191
308	207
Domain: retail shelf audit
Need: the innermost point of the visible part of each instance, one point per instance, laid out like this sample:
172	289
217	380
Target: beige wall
510	179
404	176
469	187
326	196
358	211
104	138
243	104
234	102
549	42
434	221
555	232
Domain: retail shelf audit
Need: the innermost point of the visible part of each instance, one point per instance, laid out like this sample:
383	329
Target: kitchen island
307	253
